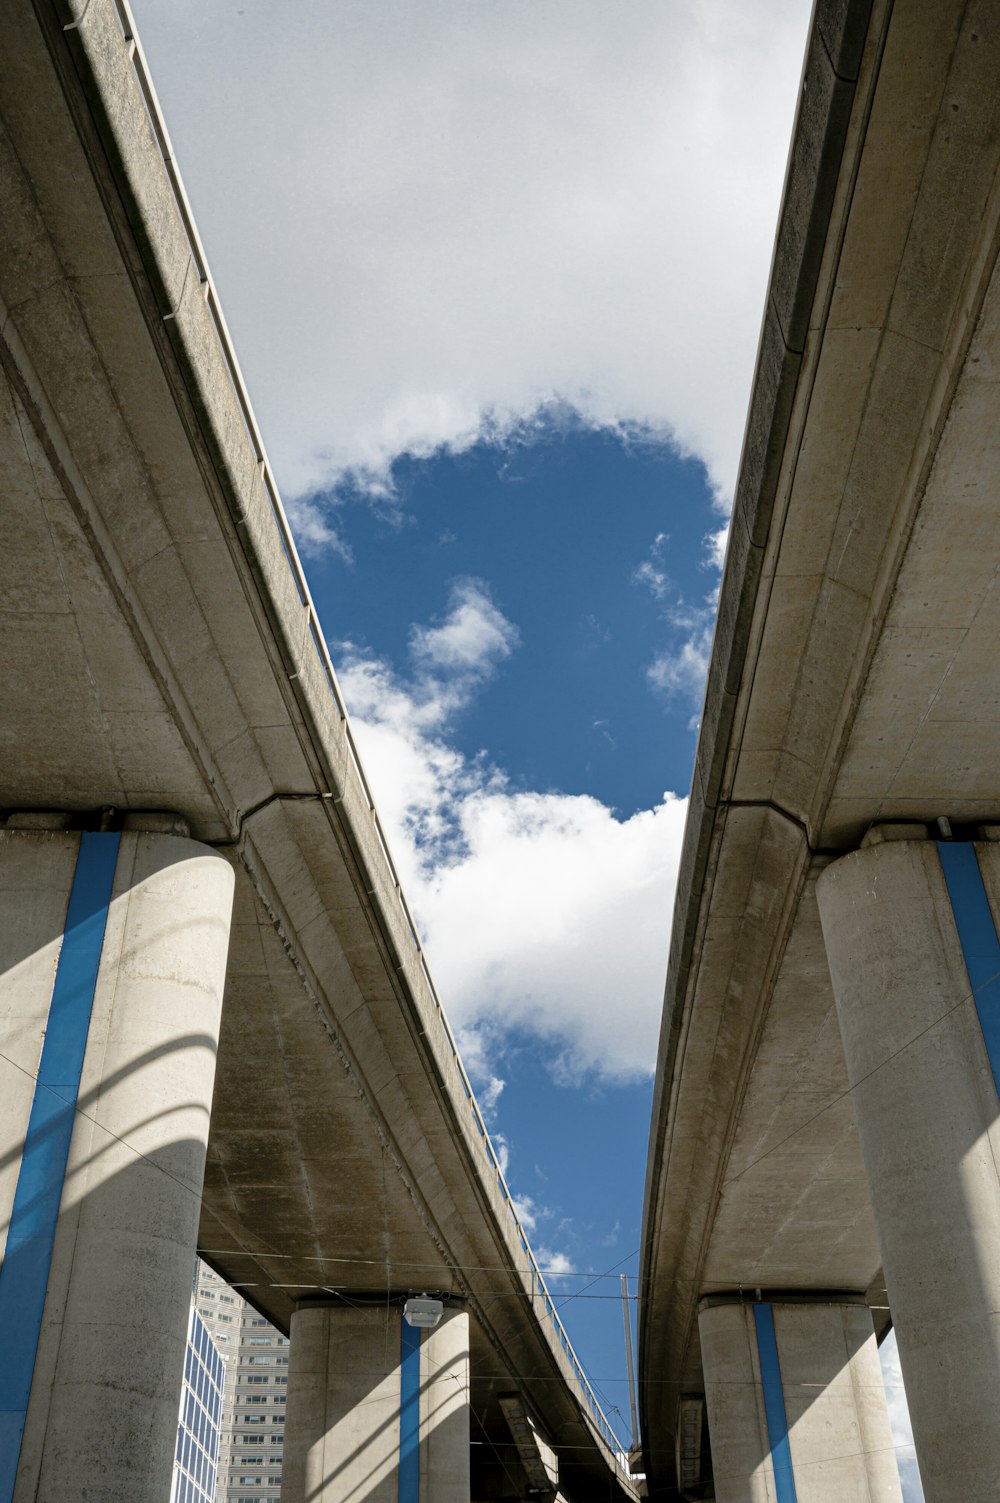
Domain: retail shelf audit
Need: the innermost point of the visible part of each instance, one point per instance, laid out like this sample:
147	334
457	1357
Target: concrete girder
851	678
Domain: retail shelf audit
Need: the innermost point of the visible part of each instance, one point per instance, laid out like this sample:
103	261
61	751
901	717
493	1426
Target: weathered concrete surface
851	678
102	1416
927	1115
342	1435
839	1439
159	651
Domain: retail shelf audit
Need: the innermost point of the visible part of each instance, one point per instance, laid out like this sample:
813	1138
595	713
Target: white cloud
554	1265
541	911
716	544
679	669
527	1213
486	1083
653	578
474	637
430	221
682	671
554	915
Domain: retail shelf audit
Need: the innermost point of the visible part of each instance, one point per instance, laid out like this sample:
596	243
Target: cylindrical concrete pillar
376	1408
113	956
927	1111
796	1407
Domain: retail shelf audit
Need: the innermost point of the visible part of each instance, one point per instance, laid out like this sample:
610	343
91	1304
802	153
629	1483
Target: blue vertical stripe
774	1404
978	937
24	1274
409	1415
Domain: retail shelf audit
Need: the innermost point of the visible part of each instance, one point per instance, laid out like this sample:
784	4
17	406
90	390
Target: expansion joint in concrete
766	803
755	1296
243	816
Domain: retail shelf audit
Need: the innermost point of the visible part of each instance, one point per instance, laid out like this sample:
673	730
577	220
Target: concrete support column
112	958
796	1406
376	1409
911	940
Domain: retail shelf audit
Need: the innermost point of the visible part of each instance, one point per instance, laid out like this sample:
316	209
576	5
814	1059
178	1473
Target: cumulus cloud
540	910
431	222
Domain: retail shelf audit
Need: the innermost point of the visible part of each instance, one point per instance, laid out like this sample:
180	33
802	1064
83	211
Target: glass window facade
200	1418
256	1362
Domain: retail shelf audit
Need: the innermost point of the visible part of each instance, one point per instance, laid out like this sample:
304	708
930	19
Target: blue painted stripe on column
24	1274
774	1404
978	937
409	1415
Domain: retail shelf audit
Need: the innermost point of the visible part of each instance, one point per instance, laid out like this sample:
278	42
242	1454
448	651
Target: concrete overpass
218	1027
825	1130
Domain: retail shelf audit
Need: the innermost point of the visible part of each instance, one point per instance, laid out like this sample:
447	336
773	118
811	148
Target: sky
494	271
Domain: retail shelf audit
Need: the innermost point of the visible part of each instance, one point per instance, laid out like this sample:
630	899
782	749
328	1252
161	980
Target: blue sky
594	547
494	275
514	606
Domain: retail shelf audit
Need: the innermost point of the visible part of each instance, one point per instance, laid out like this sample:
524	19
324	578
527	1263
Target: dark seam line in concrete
243	815
774	1404
764	803
27	1260
409	1413
978	937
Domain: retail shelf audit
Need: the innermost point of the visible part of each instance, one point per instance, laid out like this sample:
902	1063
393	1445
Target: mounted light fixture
422	1312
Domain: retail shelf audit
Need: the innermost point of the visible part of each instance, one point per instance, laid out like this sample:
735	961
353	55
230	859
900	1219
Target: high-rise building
200	1417
255	1356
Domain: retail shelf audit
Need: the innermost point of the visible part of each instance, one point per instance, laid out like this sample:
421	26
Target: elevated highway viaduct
217	1029
825	1135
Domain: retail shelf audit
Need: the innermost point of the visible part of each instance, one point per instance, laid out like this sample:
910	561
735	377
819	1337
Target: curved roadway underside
853	678
160	653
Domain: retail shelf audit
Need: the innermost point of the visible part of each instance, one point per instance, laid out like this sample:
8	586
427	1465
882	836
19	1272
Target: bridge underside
854	679
159	656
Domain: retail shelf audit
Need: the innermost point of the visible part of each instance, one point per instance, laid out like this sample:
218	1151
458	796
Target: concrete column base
913	997
113	955
796	1406
376	1409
